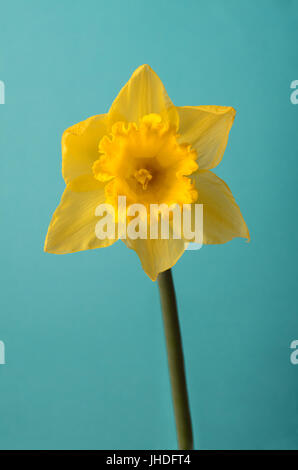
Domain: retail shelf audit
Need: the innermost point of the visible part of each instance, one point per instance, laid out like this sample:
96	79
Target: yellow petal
222	219
85	183
206	129
80	146
143	94
157	255
72	227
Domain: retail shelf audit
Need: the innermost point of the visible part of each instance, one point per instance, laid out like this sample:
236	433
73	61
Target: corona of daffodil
151	152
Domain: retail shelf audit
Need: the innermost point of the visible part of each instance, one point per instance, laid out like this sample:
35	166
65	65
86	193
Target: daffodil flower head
150	152
146	163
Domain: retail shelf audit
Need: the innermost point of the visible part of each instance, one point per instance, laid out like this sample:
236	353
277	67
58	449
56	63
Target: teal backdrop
86	361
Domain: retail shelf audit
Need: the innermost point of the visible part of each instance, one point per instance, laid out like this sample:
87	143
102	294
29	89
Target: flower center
146	163
143	177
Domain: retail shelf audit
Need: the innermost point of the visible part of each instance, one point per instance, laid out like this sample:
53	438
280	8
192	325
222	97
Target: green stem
175	360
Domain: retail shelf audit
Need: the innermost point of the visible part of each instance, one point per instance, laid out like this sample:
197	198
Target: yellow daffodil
149	151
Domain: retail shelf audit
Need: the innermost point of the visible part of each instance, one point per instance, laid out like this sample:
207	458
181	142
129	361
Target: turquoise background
86	360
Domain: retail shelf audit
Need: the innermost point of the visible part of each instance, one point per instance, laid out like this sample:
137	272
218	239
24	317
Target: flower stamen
143	177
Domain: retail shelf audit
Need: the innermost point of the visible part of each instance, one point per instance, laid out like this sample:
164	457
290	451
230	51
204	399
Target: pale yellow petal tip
46	249
227	109
143	68
233	114
46	245
77	129
153	275
246	235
